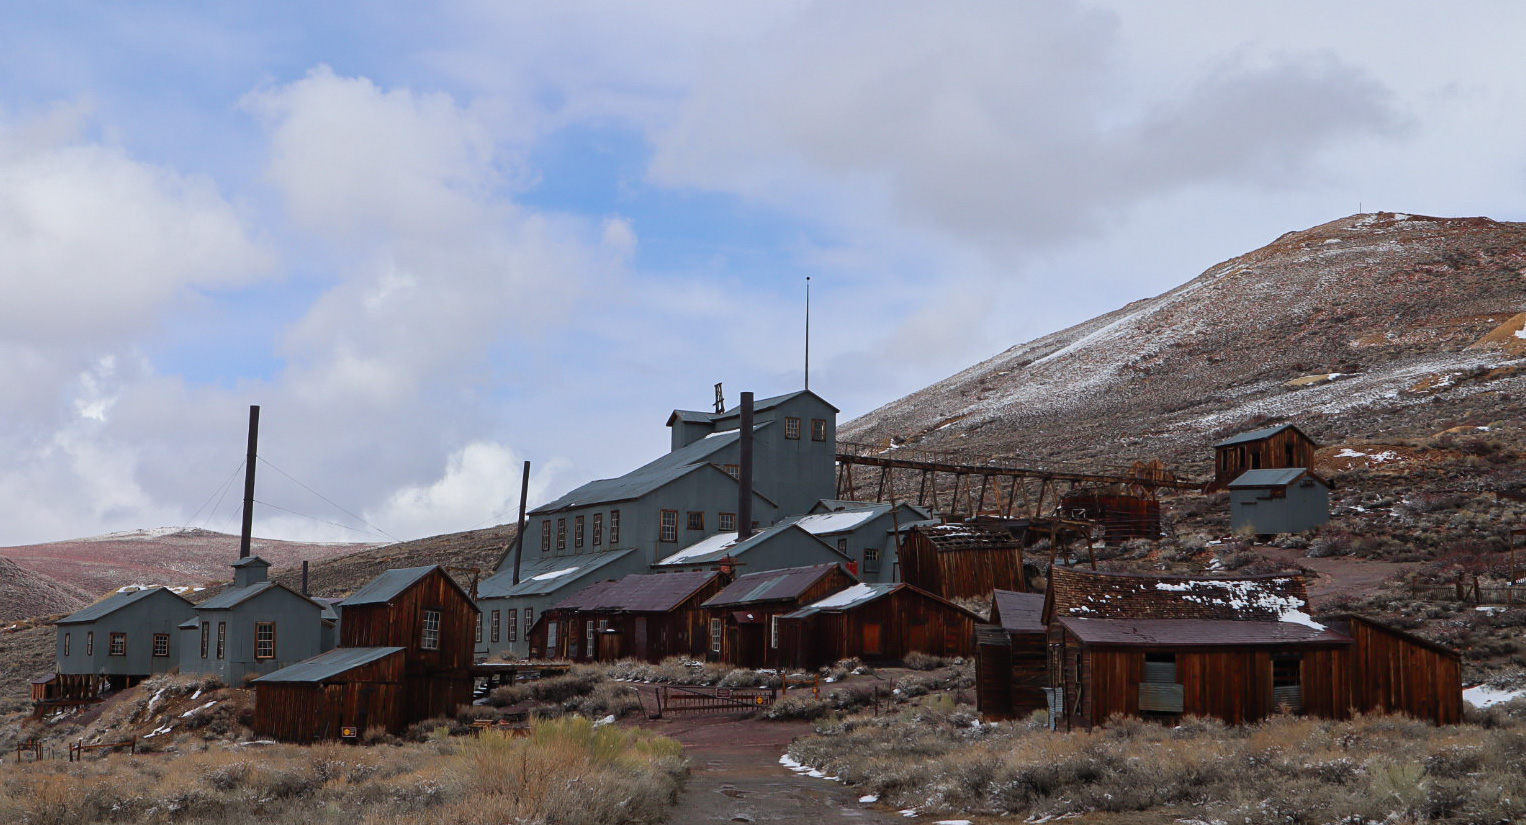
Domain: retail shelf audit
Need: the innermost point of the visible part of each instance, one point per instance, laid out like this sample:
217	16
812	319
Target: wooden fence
1471	591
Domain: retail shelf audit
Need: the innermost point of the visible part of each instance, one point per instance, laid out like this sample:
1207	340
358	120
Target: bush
917	660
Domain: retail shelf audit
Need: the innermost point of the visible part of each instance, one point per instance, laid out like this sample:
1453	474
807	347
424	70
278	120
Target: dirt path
1339	574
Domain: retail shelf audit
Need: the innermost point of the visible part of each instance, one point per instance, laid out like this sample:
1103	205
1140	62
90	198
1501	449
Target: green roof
545	575
113	603
330	664
387	586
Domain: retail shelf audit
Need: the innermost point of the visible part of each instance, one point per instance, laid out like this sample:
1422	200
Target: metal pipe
519	534
254	442
744	472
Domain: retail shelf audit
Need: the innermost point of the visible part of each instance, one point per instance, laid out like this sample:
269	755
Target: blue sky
433	243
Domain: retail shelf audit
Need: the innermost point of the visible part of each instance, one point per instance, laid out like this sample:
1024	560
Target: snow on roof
857	593
1483	696
554	574
822	523
703	547
1242	595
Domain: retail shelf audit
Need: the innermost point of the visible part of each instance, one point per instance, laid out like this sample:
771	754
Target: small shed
878	622
351	688
124	638
1269	448
744	618
1288	500
1011	664
959	561
642	616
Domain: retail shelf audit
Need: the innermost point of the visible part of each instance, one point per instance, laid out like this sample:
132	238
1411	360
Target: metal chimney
254	441
744	472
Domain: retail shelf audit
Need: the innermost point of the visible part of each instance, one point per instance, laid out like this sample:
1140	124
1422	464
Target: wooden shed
1121	515
427	613
1265	449
642	616
347	689
744	618
875	622
1011	667
955	561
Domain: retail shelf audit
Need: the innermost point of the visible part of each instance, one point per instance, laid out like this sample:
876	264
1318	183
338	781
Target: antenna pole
254	442
807	332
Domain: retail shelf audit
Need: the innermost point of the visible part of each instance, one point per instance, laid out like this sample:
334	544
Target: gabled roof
1277	477
1257	435
652	475
640	593
771	586
1197	632
548	574
716	547
391	583
249	561
1018	612
855	596
1075	592
235	596
759	405
113	603
947	537
328	665
840	521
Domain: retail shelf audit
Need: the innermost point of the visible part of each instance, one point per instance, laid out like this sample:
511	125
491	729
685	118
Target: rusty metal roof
1019	612
1198	632
770	586
639	592
1114	595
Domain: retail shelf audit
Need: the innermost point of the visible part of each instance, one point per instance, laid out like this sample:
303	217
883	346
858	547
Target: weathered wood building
1121	515
1011	660
352	688
1288	500
955	561
1238	649
875	622
744	617
1265	449
641	616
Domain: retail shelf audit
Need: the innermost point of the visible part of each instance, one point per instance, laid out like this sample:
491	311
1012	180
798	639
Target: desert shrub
505	695
800	705
917	660
606	699
579	681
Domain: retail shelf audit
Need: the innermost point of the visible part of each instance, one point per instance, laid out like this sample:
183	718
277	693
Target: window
161	644
577	532
497	621
792	427
589	647
773	632
222	638
1287	682
66	644
728	522
733	470
669	526
696	521
598	529
514	625
842	545
429	639
614	526
118	645
479	630
529	620
818	429
206	635
715	635
264	640
551	639
545	536
90	643
561	534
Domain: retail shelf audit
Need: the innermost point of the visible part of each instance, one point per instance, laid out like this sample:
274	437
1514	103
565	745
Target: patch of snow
822	523
856	593
608	720
909	812
953	822
157	731
196	695
1300	617
554	574
194	711
1235	594
1484	696
703	547
868	799
1491	609
1350	453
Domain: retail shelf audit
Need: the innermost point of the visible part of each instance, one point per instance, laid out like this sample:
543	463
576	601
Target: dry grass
620	776
1287	770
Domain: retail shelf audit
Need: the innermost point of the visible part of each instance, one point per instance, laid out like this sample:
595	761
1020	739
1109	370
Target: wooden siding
885	629
1288	448
650	636
747	645
970	572
367	696
1011	672
1395	672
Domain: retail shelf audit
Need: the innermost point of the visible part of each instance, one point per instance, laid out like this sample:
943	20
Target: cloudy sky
433	244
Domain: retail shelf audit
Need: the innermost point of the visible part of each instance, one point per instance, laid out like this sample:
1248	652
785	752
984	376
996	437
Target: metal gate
677	699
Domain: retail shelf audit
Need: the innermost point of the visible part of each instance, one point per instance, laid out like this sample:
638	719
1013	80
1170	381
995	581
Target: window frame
90	643
206	638
598	529
66	644
222	639
561	534
497	626
792	427
667	526
694	520
614	527
513	628
430	621
116	643
578	523
161	642
726	522
818	429
733	470
264	648
716	633
773	632
545	535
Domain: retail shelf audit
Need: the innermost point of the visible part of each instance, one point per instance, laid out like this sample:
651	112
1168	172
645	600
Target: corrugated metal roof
330	664
840	521
113	603
387	586
716	547
234	596
1277	477
772	585
1255	435
760	405
640	592
1197	632
859	594
548	574
251	560
1020	612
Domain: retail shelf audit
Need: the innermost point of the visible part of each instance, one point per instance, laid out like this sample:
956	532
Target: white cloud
479	486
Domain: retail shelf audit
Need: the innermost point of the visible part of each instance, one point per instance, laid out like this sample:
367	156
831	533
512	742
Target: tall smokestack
305	591
254	443
744	472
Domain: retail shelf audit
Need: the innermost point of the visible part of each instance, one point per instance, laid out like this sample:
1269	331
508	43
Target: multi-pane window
577	532
696	521
733	470
513	625
589	646
551	639
529	620
90	643
497	622
728	522
479	630
429	639
264	640
668	526
161	644
791	427
545	536
222	638
818	429
842	545
118	645
66	644
614	526
206	636
598	529
773	632
871	555
715	635
561	534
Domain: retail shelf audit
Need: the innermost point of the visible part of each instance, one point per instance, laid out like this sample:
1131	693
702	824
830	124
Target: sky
433	241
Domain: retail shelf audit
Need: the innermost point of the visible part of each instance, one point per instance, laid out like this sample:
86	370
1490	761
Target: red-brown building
876	623
744	618
1271	448
642	616
1011	664
956	561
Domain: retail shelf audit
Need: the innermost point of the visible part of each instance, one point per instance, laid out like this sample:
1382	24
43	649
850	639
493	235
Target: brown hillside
24	593
479	549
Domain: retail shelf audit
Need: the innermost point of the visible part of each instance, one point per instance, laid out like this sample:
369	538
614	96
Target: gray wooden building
868	533
509	609
252	628
124	637
783	545
1287	500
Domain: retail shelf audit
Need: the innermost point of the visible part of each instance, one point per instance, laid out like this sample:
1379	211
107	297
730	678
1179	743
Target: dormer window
792	427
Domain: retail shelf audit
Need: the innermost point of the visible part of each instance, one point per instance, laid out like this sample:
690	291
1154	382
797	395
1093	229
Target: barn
959	561
1269	448
875	622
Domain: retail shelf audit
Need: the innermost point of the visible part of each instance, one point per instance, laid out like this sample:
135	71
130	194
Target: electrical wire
330	502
